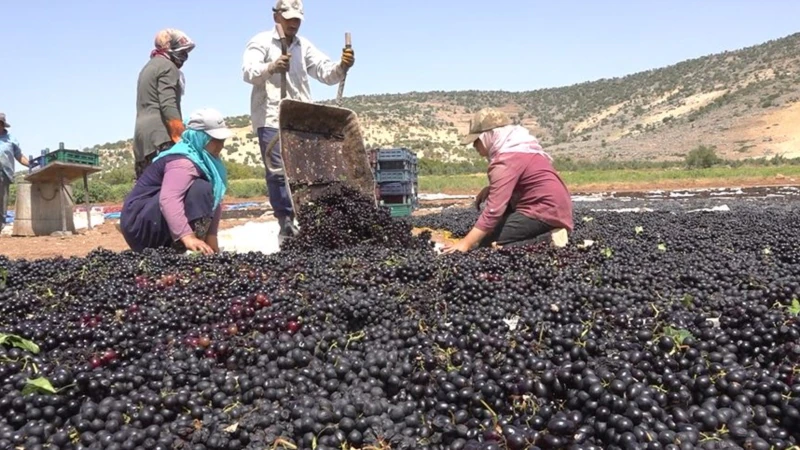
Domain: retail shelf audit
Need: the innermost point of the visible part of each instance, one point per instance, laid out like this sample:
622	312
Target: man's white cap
289	9
211	121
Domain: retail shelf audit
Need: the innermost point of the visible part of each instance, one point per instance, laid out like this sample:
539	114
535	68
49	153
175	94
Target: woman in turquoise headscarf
177	202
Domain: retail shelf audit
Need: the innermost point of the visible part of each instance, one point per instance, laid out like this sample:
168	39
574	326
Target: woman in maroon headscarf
159	122
526	200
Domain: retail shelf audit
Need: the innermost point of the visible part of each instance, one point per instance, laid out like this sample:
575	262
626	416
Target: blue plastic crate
405	188
395	175
397	165
396	154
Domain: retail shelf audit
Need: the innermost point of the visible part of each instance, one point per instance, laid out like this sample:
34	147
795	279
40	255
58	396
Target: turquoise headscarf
193	146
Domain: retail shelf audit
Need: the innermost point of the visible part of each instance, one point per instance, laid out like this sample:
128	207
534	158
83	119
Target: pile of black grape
342	217
458	221
657	331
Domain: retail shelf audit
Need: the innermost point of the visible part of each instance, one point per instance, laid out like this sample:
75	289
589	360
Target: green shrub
119	192
117	175
702	157
247	188
12	195
434	167
99	192
238	171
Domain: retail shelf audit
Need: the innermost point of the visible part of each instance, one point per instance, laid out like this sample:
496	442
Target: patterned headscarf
173	44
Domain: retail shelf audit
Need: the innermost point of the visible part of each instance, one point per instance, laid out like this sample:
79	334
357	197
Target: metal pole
88	203
284	51
62	201
347	44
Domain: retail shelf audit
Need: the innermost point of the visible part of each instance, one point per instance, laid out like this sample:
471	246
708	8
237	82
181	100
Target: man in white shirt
262	67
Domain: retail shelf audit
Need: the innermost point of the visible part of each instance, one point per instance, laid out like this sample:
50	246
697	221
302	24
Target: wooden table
63	173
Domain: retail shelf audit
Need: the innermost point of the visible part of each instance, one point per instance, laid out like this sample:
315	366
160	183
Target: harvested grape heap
342	217
458	221
665	331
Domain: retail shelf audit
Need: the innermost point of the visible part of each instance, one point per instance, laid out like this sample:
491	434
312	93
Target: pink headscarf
511	139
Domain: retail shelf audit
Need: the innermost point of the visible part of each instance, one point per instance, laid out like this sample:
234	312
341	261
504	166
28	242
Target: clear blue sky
69	67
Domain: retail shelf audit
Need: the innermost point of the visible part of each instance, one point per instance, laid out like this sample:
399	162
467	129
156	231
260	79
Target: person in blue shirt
9	151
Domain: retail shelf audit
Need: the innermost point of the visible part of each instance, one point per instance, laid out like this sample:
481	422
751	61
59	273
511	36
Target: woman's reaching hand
195	244
459	246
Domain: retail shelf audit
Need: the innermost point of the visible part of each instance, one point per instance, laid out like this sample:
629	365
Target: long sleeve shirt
158	101
178	177
306	60
535	187
9	152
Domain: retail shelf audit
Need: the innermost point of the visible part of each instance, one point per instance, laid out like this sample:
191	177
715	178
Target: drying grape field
665	329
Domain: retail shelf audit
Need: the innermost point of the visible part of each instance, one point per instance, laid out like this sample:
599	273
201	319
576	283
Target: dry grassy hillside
744	102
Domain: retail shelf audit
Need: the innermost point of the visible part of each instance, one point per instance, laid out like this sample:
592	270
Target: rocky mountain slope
744	102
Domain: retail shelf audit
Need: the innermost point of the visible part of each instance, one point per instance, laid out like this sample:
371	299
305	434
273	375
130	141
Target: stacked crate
396	175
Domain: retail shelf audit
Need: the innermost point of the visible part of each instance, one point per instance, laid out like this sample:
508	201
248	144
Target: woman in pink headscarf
526	200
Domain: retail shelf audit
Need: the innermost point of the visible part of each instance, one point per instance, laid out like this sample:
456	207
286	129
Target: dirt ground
107	236
103	236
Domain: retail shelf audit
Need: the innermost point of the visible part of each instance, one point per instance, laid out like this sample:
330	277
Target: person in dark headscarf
159	122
